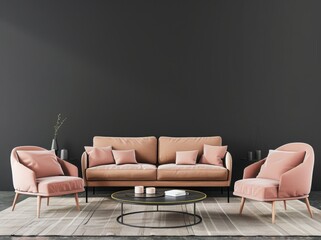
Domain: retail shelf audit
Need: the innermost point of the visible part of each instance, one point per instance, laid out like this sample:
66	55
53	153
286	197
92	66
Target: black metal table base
196	218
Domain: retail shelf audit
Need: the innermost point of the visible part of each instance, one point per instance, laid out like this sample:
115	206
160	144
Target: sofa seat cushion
197	172
59	185
257	188
139	171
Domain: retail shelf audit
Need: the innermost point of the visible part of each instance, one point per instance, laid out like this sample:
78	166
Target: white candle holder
150	190
139	189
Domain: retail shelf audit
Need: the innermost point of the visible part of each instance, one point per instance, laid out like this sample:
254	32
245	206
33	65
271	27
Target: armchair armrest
24	179
296	182
228	165
84	166
253	170
68	168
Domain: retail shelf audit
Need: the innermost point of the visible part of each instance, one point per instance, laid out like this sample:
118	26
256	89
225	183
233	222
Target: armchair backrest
24	179
14	156
298	147
306	167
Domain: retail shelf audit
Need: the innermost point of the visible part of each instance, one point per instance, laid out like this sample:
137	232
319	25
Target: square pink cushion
213	154
44	163
124	156
99	155
186	157
279	162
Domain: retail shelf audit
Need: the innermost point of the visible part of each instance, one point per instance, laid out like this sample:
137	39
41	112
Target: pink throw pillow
213	154
124	156
279	162
186	157
99	155
43	162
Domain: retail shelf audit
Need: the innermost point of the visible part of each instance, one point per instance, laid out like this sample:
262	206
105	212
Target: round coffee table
159	199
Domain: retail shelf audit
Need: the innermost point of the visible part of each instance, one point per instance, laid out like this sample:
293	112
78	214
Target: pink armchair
293	184
26	182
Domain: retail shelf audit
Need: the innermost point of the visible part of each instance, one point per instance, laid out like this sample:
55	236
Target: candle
64	154
150	190
258	154
139	189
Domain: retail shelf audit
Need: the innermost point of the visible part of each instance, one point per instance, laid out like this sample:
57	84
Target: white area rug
98	218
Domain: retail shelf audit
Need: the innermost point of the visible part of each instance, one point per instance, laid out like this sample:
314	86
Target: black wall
248	71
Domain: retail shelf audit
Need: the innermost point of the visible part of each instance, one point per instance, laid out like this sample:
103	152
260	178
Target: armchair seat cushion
59	185
139	171
257	188
198	172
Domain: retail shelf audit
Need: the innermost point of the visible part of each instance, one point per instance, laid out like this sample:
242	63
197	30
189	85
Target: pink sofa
156	164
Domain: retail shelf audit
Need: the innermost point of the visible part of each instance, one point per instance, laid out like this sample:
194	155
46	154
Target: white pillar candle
150	190
139	189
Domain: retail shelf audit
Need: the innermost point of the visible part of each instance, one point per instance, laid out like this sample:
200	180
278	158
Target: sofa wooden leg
38	206
94	190
15	201
77	201
242	204
228	194
221	190
48	201
273	212
309	207
86	190
284	202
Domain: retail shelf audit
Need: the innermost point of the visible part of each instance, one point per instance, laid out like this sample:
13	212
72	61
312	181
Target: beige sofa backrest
145	147
167	146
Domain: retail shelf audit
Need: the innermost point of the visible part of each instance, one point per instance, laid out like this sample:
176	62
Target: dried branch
59	123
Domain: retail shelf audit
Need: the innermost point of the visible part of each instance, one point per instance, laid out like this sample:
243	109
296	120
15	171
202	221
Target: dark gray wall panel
248	71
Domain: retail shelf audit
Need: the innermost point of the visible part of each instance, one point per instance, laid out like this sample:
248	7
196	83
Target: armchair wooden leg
77	201
38	206
309	207
47	201
15	201
273	212
242	204
284	202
